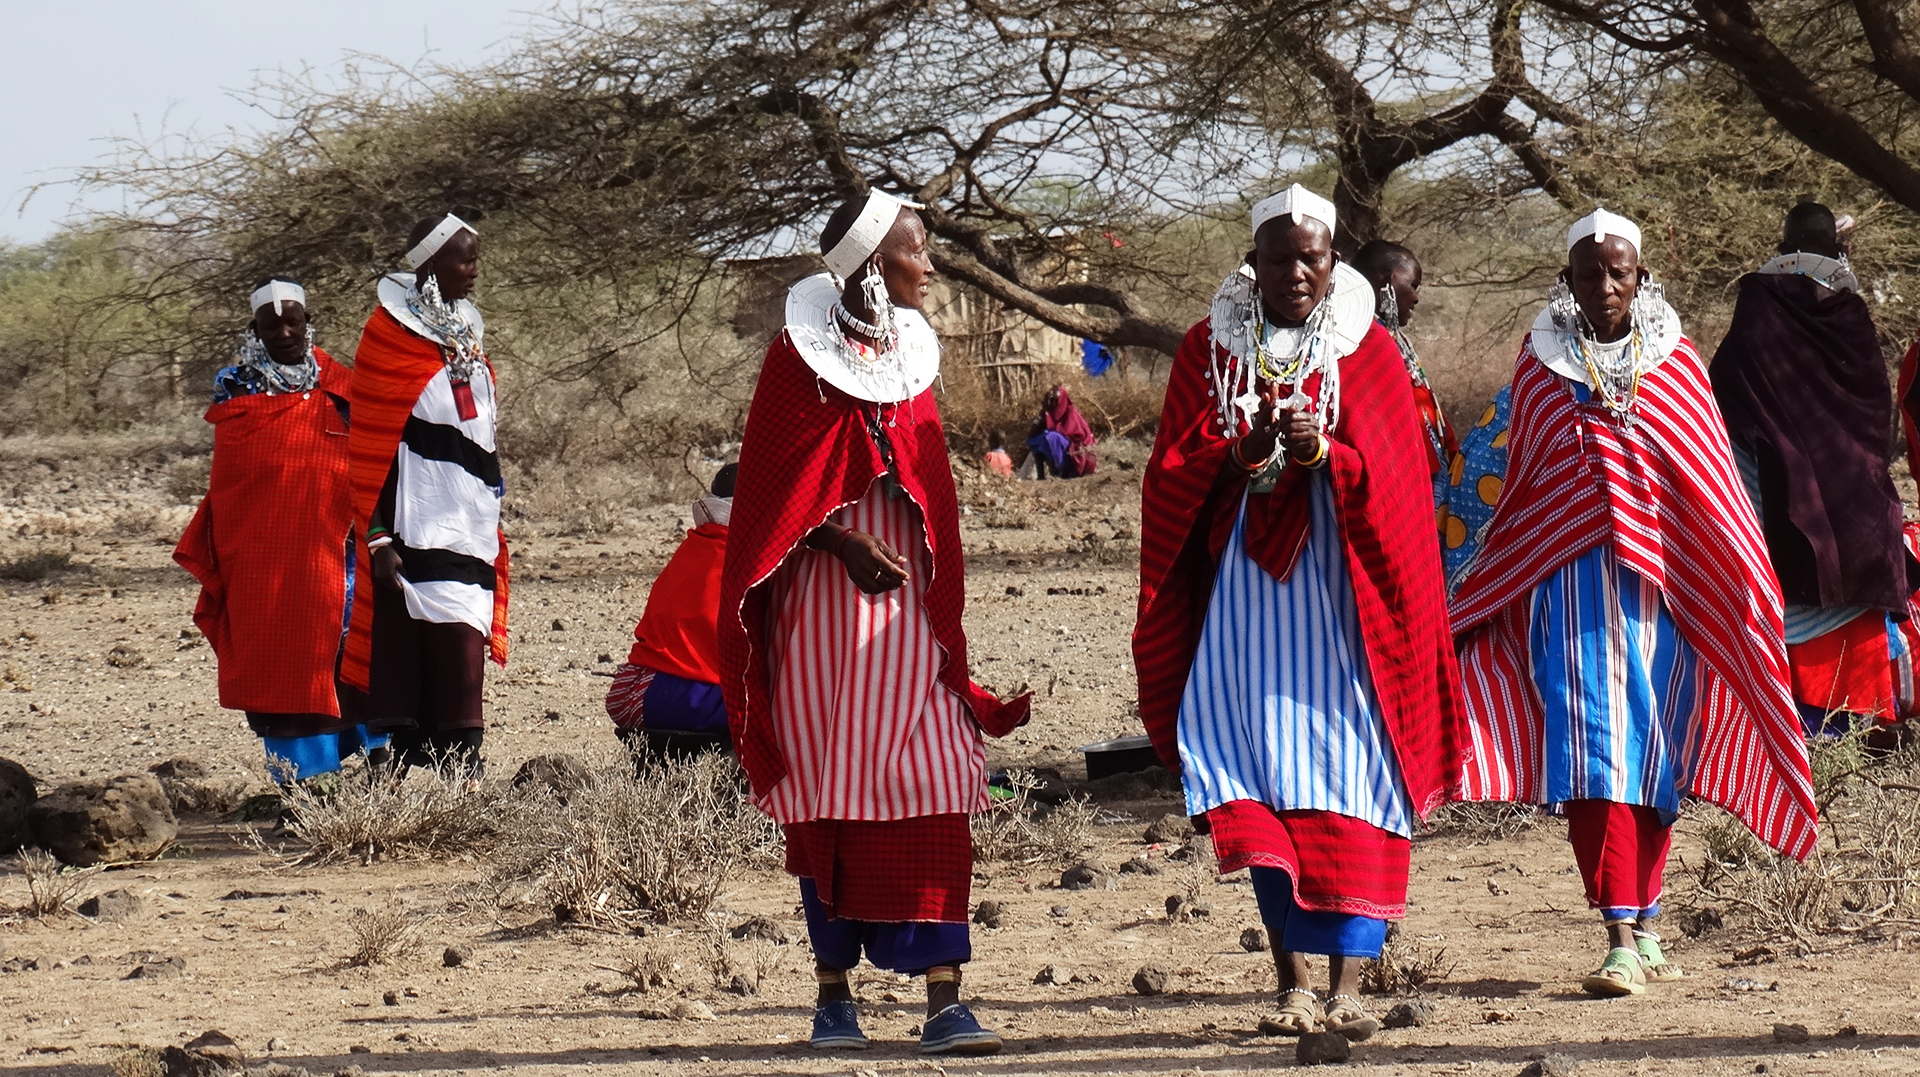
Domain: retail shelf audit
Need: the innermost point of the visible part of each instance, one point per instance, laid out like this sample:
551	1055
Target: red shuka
390	368
806	454
268	545
679	631
1384	495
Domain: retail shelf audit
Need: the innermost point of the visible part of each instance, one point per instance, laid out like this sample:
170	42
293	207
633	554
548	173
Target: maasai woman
1619	630
841	645
271	543
1394	274
665	700
426	487
1801	382
1061	438
1292	646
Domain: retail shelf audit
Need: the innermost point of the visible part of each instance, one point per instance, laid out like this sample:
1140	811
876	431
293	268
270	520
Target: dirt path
270	969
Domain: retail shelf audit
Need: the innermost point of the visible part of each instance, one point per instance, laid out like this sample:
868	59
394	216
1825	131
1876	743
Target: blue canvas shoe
954	1031
836	1027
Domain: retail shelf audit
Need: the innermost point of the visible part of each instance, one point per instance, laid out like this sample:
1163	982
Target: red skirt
902	870
1338	863
1621	850
1847	669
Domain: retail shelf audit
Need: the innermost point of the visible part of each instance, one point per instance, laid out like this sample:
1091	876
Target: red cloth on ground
390	368
886	872
1666	494
1847	669
679	633
1065	418
1384	495
268	545
1338	863
803	458
1621	850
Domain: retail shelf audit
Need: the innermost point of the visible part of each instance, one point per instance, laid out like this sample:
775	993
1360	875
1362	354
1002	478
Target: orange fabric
268	545
1846	669
680	631
390	368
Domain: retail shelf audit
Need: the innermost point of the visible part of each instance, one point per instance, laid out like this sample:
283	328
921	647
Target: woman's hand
386	568
1263	430
873	566
1300	431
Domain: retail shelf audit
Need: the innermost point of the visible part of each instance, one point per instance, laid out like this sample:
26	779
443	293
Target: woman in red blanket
271	541
1061	438
1620	629
1292	646
841	646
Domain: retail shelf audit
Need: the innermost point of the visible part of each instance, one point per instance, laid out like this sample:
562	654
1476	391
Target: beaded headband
875	221
1600	224
1296	202
448	227
279	293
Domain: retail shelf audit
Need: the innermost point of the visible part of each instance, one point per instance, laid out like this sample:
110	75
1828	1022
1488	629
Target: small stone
1139	865
1762	1067
1845	1032
761	928
559	625
1168	829
1057	975
742	984
1253	940
1320	1048
1060	912
1553	1065
352	1071
1786	1033
1199	909
20	964
1410	1014
359	1049
411	992
218	1046
1083	877
276	1045
988	913
1152	979
690	1010
456	955
194	788
559	773
391	998
160	969
1176	906
111	907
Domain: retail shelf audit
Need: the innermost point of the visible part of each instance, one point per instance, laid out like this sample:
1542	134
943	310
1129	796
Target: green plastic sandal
1620	974
1656	967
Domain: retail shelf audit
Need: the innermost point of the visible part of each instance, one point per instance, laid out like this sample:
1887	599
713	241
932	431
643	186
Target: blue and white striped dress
1619	684
1280	706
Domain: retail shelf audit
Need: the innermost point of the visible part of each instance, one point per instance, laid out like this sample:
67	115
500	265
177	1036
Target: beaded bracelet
1241	460
1319	455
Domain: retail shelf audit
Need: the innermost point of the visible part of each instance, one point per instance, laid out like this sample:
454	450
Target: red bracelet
1241	459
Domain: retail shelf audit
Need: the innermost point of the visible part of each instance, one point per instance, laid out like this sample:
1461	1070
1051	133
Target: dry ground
271	970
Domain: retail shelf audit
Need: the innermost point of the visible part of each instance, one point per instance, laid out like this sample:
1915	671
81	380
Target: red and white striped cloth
1666	493
867	730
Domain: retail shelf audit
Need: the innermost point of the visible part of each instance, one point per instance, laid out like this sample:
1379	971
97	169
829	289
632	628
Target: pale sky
74	74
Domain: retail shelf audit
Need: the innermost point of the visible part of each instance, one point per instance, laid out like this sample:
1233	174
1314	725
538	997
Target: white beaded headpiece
448	227
279	293
1296	202
1601	224
875	221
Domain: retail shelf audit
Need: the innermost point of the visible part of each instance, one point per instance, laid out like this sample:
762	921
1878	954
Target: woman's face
1405	282
283	331
1292	267
905	264
456	265
1604	278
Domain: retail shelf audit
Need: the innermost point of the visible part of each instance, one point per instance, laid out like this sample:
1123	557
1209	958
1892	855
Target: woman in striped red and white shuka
842	655
1620	629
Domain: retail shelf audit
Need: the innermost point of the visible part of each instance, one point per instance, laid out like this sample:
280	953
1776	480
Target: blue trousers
912	947
1302	931
322	753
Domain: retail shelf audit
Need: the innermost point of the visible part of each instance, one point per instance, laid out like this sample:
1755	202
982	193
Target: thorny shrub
383	934
1404	966
622	849
1484	821
52	888
377	814
1020	829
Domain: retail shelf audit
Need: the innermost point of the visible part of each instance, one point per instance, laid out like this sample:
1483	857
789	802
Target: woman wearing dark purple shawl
1803	387
1061	438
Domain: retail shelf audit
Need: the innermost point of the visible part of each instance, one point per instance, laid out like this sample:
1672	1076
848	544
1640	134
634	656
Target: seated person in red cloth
1292	647
271	543
666	701
1394	273
1619	630
841	644
1061	438
426	485
1803	387
996	459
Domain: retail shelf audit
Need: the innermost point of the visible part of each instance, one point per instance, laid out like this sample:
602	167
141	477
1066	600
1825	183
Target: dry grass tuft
137	1062
1021	830
1484	821
623	850
374	814
34	567
383	934
1405	966
52	888
648	967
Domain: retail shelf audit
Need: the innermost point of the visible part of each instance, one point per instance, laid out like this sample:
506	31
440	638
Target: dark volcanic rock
760	927
1168	829
1083	877
560	772
1554	1065
456	955
1253	940
194	788
112	906
16	797
1140	865
160	968
1152	979
87	823
988	913
1320	1048
1411	1014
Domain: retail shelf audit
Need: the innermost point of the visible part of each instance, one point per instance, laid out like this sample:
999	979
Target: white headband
1296	202
279	293
1600	224
448	227
875	221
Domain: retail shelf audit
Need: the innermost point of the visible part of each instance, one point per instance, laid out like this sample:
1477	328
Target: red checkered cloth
1383	491
1338	863
1665	494
805	454
268	545
390	368
892	872
1621	850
